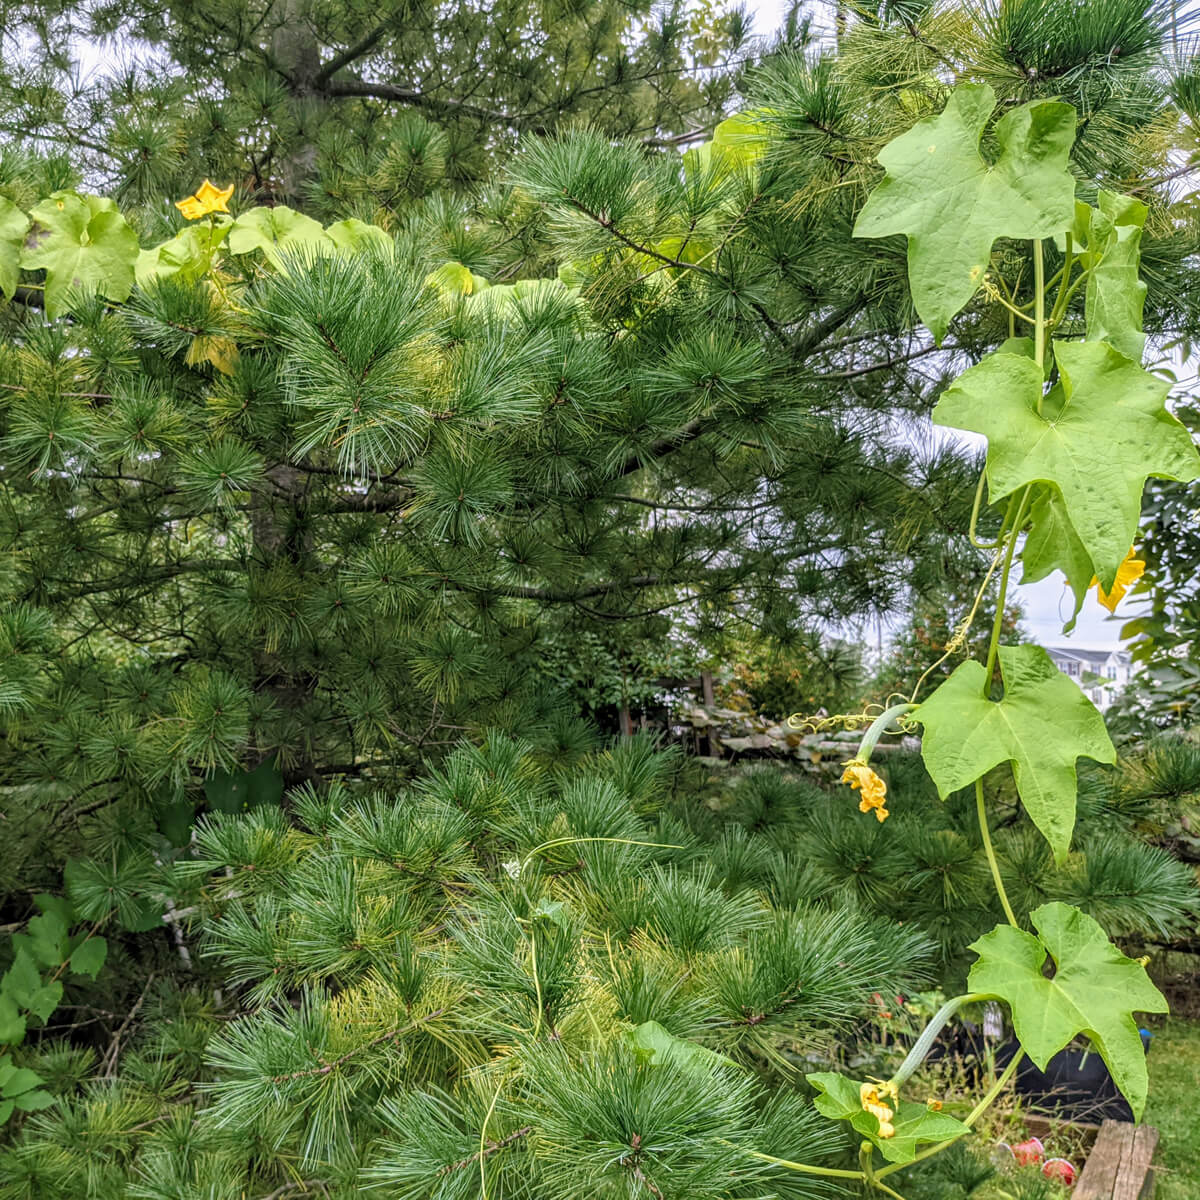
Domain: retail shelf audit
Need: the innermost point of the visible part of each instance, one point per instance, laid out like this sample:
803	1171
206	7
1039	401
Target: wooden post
1118	1167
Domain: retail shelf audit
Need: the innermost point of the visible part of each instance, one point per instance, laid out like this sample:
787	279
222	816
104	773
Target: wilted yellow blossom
872	1102
1128	573
874	791
208	198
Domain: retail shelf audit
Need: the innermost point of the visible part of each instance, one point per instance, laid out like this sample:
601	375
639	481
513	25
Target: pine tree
309	504
351	106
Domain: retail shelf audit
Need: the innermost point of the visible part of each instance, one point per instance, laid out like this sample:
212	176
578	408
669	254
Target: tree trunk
297	54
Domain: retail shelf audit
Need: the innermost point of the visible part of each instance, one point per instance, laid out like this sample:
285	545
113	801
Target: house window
1073	669
1111	672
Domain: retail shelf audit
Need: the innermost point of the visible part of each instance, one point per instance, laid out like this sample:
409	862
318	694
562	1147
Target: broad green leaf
1116	295
1107	242
22	984
354	235
555	911
953	205
1053	545
839	1100
277	232
12	1023
33	1101
741	139
83	244
13	225
657	1047
48	938
239	791
175	819
188	253
47	902
452	279
1041	725
1102	433
1094	990
140	914
6	1109
89	956
16	1080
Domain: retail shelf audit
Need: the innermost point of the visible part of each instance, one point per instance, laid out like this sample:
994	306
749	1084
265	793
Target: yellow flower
208	198
1128	573
869	1095
874	791
933	1105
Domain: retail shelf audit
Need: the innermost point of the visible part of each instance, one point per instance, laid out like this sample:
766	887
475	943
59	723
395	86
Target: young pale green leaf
13	225
188	253
1102	433
658	1047
742	139
953	205
1041	725
840	1100
1053	545
354	235
1095	990
1116	295
84	245
276	232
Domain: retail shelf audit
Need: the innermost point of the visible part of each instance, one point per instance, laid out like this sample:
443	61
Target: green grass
1174	1107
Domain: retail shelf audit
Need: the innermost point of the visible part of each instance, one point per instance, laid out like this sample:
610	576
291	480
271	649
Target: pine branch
402	95
488	1150
391	1035
550	596
608	224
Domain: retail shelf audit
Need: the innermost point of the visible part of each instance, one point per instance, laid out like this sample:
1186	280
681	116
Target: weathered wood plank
1118	1167
1099	1175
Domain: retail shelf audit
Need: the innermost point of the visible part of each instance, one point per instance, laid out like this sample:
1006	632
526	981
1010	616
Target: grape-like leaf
839	1100
1053	545
1102	433
1041	725
1094	990
953	205
1108	242
188	253
84	245
354	235
278	232
13	225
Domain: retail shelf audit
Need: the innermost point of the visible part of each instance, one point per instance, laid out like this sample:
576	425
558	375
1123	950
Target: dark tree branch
402	95
351	54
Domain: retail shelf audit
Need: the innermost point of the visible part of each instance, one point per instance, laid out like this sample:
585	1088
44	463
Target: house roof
1091	658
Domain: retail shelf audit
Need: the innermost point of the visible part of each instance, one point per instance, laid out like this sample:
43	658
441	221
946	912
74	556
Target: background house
1101	674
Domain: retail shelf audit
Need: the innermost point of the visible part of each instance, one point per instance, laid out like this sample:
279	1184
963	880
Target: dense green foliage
301	515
